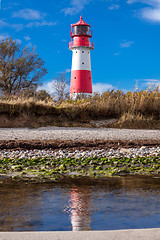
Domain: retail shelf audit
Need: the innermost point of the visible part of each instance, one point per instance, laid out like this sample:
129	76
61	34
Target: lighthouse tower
81	79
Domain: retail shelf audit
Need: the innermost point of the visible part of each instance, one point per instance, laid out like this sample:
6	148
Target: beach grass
138	109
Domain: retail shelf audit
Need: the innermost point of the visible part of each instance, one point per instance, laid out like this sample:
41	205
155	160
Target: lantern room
80	34
81	28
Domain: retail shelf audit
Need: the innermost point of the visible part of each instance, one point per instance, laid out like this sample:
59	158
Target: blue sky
126	34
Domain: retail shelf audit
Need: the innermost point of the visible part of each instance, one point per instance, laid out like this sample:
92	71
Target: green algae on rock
44	169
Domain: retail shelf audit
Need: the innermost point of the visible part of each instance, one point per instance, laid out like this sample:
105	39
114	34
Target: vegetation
55	169
20	74
139	109
61	86
116	104
43	95
20	70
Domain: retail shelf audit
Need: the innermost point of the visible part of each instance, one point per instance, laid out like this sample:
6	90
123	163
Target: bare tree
19	69
60	86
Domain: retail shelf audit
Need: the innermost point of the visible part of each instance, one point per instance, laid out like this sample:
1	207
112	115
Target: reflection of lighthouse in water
80	209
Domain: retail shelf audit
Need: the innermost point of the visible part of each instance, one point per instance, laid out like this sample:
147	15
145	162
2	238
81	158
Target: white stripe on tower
81	59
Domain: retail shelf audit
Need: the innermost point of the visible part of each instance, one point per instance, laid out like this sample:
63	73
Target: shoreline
65	180
73	145
92	166
52	153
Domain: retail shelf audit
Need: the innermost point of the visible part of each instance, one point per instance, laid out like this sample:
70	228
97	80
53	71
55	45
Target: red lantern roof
81	22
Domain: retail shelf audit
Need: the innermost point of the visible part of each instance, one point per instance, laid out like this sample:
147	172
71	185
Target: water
115	203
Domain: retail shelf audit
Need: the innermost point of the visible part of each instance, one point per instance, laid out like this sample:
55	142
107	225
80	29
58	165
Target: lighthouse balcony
73	44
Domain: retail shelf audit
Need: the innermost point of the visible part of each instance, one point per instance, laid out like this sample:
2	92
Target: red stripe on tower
81	78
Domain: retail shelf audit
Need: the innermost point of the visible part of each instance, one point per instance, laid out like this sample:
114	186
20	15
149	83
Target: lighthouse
81	78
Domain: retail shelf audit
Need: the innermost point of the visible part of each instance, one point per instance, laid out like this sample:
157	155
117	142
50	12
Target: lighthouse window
82	62
74	77
81	30
76	51
82	38
82	51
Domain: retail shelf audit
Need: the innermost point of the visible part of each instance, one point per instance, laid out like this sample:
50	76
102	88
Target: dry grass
116	103
136	109
19	105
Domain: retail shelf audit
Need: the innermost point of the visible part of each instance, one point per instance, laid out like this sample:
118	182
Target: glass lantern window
81	30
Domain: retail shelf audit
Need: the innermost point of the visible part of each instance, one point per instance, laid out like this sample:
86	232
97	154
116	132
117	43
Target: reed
131	107
116	104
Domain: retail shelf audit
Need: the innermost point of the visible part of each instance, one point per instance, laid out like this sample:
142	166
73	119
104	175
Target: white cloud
4	36
102	87
18	40
126	44
33	15
29	45
148	2
117	53
16	27
152	82
114	7
19	27
27	38
41	24
76	7
68	70
97	87
10	5
148	83
48	86
150	13
132	1
28	14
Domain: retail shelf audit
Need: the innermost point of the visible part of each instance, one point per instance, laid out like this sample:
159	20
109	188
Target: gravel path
77	134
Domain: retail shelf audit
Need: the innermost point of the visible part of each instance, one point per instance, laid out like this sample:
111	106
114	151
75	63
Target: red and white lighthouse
81	79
